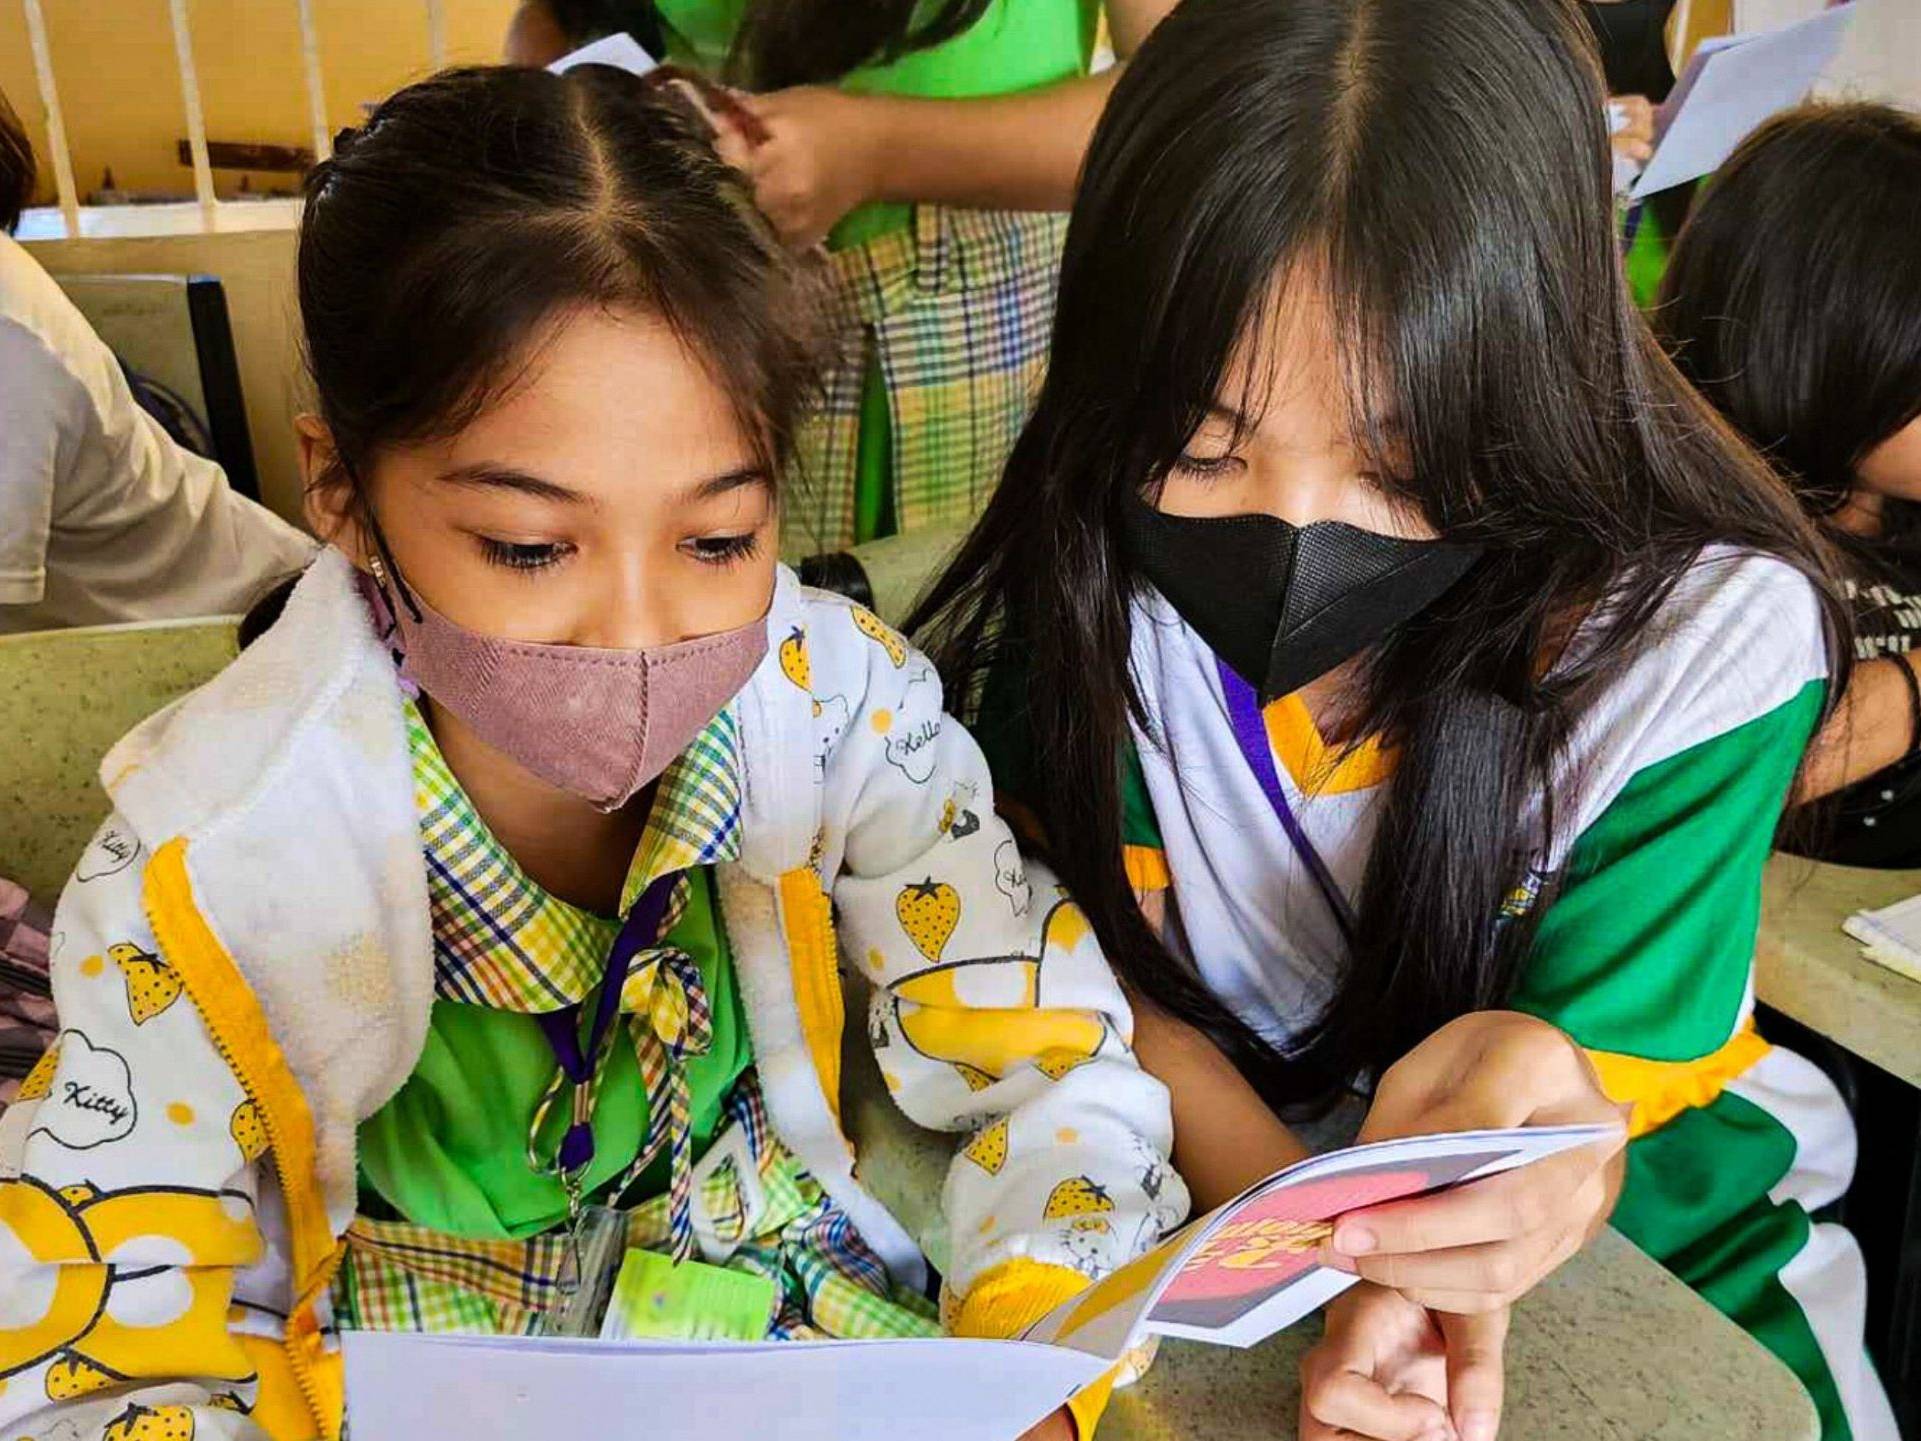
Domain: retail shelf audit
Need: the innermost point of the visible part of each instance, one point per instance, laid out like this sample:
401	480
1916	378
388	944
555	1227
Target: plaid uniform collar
500	939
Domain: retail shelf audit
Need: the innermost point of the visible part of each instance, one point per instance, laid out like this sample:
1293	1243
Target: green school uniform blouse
450	1150
1016	45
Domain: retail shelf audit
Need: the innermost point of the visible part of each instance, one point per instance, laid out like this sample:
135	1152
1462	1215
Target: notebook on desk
1890	936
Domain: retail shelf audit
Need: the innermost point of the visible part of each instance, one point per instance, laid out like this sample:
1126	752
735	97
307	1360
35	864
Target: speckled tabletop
1611	1348
1807	967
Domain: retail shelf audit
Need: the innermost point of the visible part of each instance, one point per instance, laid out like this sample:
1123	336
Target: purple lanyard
1250	733
640	930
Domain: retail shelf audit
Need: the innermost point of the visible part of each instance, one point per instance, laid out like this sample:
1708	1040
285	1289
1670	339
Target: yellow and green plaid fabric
828	1284
500	939
957	309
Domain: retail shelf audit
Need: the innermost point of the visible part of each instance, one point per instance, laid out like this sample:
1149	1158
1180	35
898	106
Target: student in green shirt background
931	145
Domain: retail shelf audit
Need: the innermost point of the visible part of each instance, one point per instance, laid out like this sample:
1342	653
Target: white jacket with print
243	970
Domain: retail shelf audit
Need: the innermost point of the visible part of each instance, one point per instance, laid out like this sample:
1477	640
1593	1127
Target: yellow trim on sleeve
240	1032
1006	1299
1317	767
807	917
1660	1090
1146	868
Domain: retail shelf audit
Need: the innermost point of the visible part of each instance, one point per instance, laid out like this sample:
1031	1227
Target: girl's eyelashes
722	549
523	555
1209	467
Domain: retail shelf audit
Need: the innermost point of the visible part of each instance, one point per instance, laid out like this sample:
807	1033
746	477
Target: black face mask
1632	35
1284	604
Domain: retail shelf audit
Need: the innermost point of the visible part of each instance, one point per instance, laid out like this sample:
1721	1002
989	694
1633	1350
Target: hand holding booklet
1233	1278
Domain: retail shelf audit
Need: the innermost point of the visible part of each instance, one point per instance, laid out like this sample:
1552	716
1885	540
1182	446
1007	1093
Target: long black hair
17	167
789	42
815	42
477	205
1441	171
1793	297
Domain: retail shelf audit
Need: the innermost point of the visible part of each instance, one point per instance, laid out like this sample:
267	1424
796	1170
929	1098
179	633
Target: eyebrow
725	483
503	477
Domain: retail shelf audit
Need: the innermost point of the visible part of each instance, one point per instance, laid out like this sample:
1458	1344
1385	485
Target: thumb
1475	1371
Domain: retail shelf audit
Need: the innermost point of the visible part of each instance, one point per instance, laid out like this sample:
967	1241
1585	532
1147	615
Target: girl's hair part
474	210
1439	175
1793	297
18	169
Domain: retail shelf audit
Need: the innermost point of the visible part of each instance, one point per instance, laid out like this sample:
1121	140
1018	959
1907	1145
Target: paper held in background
621	51
1733	83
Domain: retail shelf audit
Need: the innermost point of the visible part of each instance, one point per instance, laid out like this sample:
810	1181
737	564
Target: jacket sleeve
994	1013
129	1177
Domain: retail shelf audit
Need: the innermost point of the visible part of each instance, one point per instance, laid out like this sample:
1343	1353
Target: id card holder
599	1241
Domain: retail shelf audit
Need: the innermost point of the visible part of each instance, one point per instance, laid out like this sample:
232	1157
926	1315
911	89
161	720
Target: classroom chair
65	697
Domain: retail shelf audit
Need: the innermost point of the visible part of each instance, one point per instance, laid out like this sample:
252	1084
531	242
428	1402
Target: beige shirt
103	518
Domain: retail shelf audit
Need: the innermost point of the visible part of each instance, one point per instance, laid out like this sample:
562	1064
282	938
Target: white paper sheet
621	51
1222	1279
454	1388
1731	85
1891	936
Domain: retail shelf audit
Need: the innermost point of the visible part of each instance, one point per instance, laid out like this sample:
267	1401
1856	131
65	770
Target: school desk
1811	972
1610	1348
1807	968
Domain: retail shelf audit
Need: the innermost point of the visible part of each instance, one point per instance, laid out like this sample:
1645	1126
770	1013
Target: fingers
1633	149
1498	1274
1338	1402
1476	1379
1550	1195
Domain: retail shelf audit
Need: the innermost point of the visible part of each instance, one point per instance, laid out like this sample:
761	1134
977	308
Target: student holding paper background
490	904
1794	302
1382	631
926	142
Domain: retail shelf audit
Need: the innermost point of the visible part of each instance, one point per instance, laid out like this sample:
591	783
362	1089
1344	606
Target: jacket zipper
297	1362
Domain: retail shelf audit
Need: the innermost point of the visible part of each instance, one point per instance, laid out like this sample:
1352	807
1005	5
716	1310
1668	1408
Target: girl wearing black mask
1403	657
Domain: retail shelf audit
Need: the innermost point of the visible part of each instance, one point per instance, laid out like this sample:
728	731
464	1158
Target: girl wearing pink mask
495	893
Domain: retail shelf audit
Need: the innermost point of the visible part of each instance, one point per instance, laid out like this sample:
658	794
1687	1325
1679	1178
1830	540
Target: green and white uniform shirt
1666	813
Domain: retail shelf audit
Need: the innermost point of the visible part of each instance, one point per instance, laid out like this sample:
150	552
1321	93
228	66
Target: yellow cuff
1006	1299
1146	868
1660	1090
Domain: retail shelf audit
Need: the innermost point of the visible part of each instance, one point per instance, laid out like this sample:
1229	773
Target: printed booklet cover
1232	1277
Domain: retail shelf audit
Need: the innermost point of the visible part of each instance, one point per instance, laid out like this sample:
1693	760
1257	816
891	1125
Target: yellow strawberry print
1057	1063
977	1079
1076	1196
987	1014
988	1150
870	625
150	1423
40	1079
79	1193
793	659
152	984
929	912
73	1376
248	1131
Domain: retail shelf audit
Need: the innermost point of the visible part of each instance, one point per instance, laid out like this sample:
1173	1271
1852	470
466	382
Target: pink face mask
599	724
